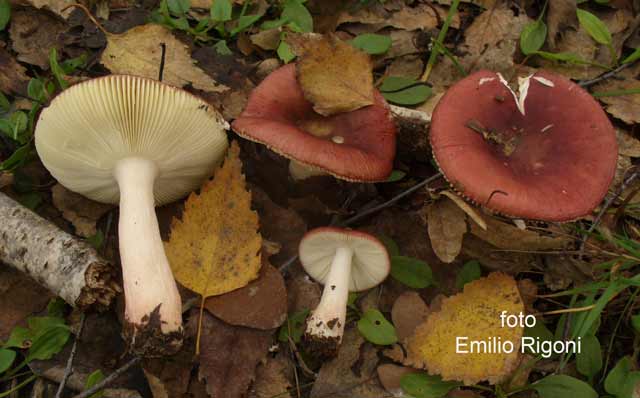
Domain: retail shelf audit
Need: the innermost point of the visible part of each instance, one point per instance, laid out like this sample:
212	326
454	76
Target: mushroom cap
356	146
370	264
89	127
555	162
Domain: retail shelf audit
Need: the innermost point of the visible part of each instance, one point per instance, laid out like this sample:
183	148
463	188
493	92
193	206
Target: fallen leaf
334	76
268	39
447	225
13	78
409	311
262	304
78	210
273	378
487	4
351	373
52	5
303	293
624	107
509	237
474	313
560	17
390	375
420	16
495	259
215	248
628	145
6	179
464	206
33	34
229	356
138	52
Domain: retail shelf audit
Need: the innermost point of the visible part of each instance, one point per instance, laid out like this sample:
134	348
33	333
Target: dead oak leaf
78	210
215	248
52	5
138	52
33	33
446	224
475	314
13	78
623	107
628	145
334	76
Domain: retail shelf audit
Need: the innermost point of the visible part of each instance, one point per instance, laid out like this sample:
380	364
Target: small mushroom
546	154
355	146
141	143
343	261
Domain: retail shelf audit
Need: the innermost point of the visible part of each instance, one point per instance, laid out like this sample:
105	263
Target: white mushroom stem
328	319
147	278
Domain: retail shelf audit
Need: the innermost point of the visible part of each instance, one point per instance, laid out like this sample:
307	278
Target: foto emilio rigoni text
496	345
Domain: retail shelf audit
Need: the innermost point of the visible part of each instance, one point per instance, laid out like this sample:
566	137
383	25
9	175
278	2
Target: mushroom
141	143
354	146
343	261
546	154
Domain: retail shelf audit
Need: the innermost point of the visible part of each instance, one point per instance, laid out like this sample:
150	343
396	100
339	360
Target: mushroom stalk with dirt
140	143
343	261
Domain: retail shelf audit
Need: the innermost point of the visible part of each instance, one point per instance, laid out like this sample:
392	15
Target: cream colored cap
90	126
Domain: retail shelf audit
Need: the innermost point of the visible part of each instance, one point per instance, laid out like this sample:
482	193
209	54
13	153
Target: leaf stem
435	50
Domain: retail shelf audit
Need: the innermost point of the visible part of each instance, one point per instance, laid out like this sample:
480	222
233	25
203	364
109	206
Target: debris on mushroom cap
354	146
548	154
370	264
92	125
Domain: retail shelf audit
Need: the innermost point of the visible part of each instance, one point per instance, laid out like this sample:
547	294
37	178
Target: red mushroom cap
555	162
357	146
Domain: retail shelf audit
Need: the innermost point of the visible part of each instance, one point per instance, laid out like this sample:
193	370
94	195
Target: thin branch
109	379
69	369
605	76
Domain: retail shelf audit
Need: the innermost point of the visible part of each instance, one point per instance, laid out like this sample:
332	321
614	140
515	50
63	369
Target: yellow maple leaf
215	248
474	314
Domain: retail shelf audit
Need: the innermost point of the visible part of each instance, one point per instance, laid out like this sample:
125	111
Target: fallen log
66	265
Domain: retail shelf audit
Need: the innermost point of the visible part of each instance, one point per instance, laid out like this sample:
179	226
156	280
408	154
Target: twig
625	183
109	379
372	210
605	76
69	369
162	59
89	15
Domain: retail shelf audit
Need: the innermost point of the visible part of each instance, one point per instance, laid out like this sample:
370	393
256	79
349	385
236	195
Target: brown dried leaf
78	210
273	378
262	304
409	311
335	76
13	78
509	237
623	107
229	356
447	225
52	5
390	375
420	16
628	145
33	34
560	16
496	259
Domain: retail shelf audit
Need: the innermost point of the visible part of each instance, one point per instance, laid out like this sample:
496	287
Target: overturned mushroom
140	143
355	146
343	261
547	154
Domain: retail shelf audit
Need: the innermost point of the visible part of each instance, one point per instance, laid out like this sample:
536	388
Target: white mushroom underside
91	126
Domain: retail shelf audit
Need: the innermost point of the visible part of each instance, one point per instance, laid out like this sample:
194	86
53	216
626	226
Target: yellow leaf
138	52
215	248
334	76
475	314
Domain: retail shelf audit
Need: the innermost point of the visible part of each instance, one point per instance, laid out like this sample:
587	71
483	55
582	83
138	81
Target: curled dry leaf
447	225
334	76
474	313
215	248
78	210
409	311
138	52
262	304
464	206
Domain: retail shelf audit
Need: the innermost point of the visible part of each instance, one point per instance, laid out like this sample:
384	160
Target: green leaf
5	105
540	332
35	89
375	328
179	7
390	244
267	25
244	22
20	123
635	322
412	272
57	308
422	385
221	10
70	65
6	359
285	53
295	12
469	272
630	386
294	327
533	37
634	56
372	43
397	83
594	26
31	200
561	57
614	383
93	379
222	48
562	386
396	175
56	69
48	344
20	338
16	159
5	13
589	359
410	96
96	240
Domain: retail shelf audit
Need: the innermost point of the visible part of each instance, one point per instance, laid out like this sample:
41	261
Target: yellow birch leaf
215	248
474	314
138	52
